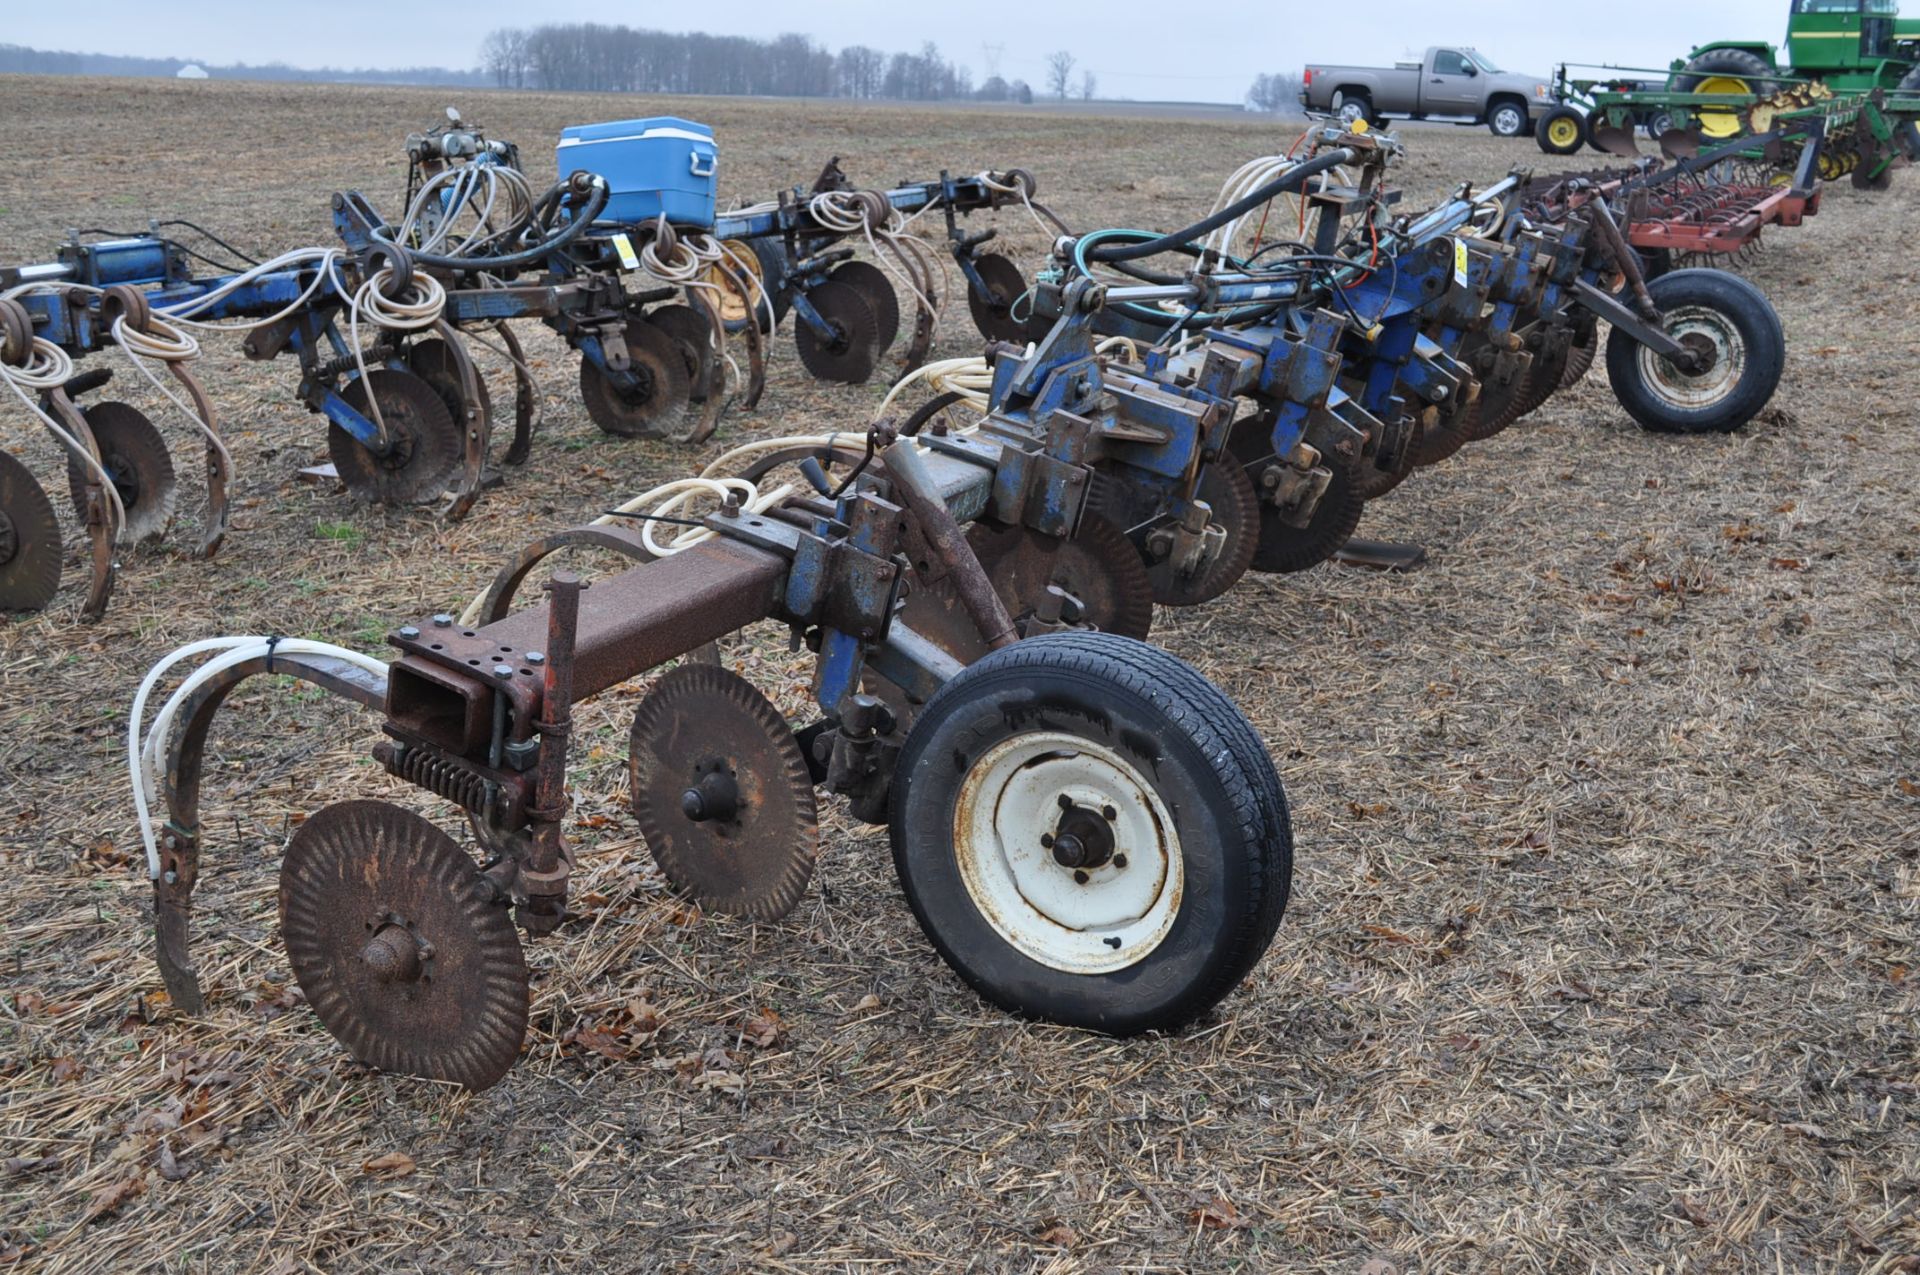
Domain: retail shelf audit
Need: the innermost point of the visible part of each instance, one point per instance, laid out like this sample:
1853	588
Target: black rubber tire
771	252
918	418
1496	117
1736	63
1657	123
1365	102
1198	753
1543	133
1908	134
1747	311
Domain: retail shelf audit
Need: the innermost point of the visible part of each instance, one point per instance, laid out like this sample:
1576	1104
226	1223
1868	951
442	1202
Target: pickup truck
1458	84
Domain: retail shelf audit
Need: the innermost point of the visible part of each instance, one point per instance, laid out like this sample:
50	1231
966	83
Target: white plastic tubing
145	753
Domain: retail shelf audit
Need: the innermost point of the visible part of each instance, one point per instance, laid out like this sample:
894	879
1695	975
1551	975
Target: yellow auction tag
1460	263
624	246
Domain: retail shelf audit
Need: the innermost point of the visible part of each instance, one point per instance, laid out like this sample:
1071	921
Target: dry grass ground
1602	954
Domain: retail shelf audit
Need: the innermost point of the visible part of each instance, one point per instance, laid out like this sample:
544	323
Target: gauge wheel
1091	833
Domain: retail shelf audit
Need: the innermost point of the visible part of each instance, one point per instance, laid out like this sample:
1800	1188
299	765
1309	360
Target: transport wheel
1091	833
29	540
433	361
876	285
1562	131
656	407
1283	547
1351	108
1507	119
766	262
849	356
1722	316
692	335
1658	124
137	462
1725	71
993	313
426	447
1225	487
401	949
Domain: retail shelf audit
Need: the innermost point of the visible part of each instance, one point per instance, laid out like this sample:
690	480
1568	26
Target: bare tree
1060	72
1276	93
1088	86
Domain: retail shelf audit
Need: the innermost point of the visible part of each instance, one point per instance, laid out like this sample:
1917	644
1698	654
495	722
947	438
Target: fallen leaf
169	1164
866	1004
782	1244
1789	564
1216	1214
394	1164
1686	1208
729	1081
67	1068
109	1198
1378	1266
1805	1130
1364	812
606	1044
762	1030
1910	788
32	1164
1388	933
1059	1234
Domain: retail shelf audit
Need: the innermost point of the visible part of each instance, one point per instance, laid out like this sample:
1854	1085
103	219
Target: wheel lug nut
1119	860
1046	841
1066	802
1109	813
1080	877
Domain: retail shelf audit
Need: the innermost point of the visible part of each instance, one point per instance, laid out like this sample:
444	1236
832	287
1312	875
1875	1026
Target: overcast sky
1138	48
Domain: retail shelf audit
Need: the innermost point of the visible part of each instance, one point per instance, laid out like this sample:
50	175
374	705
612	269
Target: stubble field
1605	937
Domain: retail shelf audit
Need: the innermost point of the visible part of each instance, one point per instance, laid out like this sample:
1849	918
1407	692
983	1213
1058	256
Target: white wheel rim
1507	119
1350	111
1707	328
1087	920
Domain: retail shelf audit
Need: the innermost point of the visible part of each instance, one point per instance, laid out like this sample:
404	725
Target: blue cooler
653	166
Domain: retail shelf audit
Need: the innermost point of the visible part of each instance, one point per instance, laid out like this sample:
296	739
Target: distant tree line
1277	93
595	57
18	60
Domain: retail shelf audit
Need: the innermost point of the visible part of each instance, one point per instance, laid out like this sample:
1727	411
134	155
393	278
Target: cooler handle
693	163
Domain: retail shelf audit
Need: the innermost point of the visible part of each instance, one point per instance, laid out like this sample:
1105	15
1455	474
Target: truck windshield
1480	60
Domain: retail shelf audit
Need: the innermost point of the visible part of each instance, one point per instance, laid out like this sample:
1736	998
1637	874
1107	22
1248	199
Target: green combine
1853	65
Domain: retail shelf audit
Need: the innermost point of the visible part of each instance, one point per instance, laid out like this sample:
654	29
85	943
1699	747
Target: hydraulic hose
596	204
1285	184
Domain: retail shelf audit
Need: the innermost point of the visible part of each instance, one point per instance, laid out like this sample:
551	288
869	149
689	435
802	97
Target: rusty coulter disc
722	793
29	540
400	947
136	459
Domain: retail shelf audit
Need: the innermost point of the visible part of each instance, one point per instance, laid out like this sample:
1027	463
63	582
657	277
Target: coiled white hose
48	367
145	752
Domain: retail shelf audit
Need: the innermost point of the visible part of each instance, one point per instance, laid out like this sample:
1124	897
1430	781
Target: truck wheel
1091	833
1658	123
1562	131
1353	107
1719	314
1507	118
1725	71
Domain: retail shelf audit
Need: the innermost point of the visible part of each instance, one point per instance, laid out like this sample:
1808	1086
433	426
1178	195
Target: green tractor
1850	46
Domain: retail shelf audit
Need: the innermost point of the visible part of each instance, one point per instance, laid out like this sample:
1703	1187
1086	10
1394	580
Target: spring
442	776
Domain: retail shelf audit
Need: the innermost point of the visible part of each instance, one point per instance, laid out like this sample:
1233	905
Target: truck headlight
1539	90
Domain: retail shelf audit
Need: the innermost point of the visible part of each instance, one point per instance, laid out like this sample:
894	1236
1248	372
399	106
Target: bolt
1112	942
1080	877
443	621
1066	802
1109	813
536	657
172	877
409	631
1046	841
503	671
1119	860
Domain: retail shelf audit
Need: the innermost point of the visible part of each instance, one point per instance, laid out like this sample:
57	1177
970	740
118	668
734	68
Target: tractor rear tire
1704	70
1562	131
1717	311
